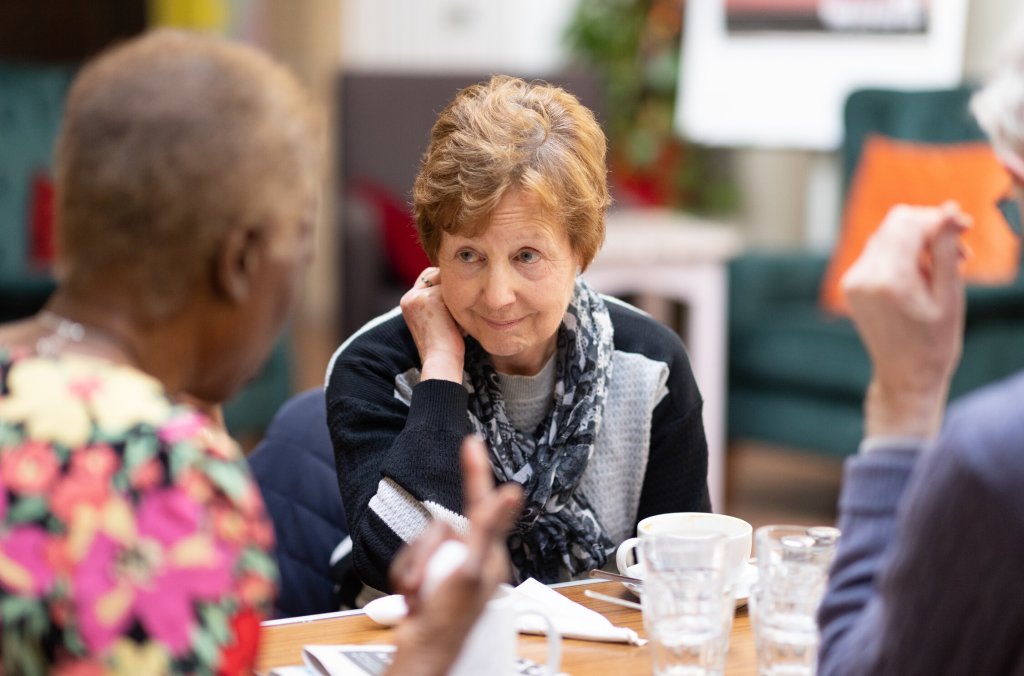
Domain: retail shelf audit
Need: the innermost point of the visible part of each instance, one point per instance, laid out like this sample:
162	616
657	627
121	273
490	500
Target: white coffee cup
738	535
490	647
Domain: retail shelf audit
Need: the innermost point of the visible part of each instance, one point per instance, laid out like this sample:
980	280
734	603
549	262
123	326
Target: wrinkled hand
437	335
431	636
907	300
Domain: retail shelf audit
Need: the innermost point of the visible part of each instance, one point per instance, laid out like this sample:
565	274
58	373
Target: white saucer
747	580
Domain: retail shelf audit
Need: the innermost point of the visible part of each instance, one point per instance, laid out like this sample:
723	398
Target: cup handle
622	554
554	639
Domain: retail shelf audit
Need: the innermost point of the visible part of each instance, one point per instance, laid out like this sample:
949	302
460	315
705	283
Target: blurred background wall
780	199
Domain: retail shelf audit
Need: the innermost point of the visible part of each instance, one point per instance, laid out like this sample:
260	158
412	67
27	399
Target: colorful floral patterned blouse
132	538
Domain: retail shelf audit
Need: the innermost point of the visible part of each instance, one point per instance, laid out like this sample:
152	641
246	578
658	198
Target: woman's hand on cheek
438	338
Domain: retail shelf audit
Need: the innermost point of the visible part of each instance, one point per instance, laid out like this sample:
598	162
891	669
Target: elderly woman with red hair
585	402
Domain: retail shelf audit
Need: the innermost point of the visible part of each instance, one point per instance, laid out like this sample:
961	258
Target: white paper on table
570	618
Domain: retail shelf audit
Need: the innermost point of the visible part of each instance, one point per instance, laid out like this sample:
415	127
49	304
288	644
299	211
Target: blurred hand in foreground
430	637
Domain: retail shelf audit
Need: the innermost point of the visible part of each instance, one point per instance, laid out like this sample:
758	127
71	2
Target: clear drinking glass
686	607
793	564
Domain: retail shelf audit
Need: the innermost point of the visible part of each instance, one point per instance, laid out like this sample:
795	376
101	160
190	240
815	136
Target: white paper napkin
570	618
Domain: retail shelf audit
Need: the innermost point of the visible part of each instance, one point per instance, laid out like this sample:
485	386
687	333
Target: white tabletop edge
346	613
576	583
310	618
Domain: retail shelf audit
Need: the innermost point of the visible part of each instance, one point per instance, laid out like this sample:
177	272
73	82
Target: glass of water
686	607
793	564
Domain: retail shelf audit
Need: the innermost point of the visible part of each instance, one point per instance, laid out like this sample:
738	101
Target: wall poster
775	73
837	16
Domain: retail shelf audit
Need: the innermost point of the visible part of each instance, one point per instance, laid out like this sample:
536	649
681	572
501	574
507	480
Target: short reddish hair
511	134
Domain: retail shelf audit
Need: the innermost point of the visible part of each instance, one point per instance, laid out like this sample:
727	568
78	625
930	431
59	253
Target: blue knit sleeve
927	577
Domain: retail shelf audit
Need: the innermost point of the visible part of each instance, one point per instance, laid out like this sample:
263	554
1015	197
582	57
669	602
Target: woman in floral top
131	526
132	538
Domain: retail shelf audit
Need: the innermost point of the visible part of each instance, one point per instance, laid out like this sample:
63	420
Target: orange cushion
894	172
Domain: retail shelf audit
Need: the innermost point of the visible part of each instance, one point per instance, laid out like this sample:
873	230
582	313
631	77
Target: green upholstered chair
249	412
796	374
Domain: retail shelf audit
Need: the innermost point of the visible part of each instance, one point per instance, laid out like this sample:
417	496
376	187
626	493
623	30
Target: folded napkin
570	618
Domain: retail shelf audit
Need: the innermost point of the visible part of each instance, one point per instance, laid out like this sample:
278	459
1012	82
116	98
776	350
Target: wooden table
282	643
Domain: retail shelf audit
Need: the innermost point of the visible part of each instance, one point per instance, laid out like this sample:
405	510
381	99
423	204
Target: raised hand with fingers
907	300
438	337
439	618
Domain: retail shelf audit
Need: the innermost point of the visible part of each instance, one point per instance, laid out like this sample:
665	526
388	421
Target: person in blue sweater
928	575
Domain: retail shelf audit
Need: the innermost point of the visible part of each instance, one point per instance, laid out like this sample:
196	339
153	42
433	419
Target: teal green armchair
797	375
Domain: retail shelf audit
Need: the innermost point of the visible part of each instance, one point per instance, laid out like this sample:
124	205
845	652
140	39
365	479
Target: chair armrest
762	282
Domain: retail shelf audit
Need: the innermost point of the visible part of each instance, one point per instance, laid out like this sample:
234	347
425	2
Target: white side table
681	258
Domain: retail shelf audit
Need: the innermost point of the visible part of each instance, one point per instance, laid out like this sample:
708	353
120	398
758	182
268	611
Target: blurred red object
41	221
398	229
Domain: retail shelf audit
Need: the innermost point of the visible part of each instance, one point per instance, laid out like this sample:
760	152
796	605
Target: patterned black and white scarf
558	527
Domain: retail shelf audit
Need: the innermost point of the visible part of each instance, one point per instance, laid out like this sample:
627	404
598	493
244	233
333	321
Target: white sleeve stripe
407	516
342	550
399	510
453	519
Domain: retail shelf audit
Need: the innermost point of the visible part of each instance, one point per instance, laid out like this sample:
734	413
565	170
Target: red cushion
398	230
41	235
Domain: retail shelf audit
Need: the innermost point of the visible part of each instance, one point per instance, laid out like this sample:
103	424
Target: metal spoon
590	593
604	574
